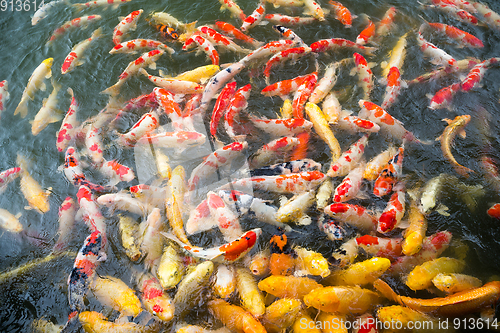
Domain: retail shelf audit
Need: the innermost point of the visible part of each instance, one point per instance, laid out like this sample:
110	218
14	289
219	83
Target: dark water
42	292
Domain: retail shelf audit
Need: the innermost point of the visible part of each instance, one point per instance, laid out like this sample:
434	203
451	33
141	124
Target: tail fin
22	108
190	28
79	7
114	90
387	291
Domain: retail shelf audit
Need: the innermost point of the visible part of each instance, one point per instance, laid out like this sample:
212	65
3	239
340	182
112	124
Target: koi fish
155	299
453	283
380	246
10	222
74	173
354	124
314	9
237	104
284	88
463	64
286	3
346	253
198	75
290	21
270	152
494	211
167	32
455	126
218	39
236	33
302	94
393	212
282	127
326	83
389	175
476	74
462	4
129	234
91	213
146	59
145	125
152	242
365	75
360	273
48	113
233	7
123	201
455	12
96	321
32	191
221	105
94	145
398	55
135	45
367	34
311	263
234	317
228	252
79	22
283	286
354	215
251	297
8	176
375	166
175	86
178	139
100	3
342	13
117	172
255	18
43	11
114	293
404	315
490	17
294	209
385	25
444	97
281	314
4	94
170	268
289	34
168	20
438	56
127	24
350	185
349	159
332	228
394	85
343	300
415	233
226	220
333	44
289	54
69	127
463	38
35	82
268	50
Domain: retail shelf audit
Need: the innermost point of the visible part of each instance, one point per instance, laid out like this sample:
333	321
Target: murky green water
42	292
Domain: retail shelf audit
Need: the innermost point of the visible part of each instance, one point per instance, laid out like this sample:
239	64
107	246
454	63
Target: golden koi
310	263
170	268
421	276
96	322
188	290
234	317
288	286
32	191
360	273
454	283
114	293
455	126
129	231
343	300
397	56
323	129
10	222
251	297
415	233
281	314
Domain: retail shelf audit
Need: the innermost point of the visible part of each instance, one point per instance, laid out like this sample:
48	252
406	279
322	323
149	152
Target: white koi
66	219
438	56
43	11
124	201
100	3
10	222
48	113
152	242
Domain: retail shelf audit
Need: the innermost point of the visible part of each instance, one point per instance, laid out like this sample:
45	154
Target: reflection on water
42	291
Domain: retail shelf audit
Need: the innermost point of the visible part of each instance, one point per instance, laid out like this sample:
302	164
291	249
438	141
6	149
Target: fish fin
190	27
162	73
28	208
43	86
222	8
443	210
353	71
49	74
22	108
345	113
462	134
383	81
383	288
448	121
372	64
144	72
113	90
18	215
403	224
383	64
152	65
304	220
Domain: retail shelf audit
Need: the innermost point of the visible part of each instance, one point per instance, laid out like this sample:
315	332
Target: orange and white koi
302	94
386	24
217	39
354	124
155	300
255	18
127	24
146	59
494	211
145	125
289	54
350	185
167	101
233	7
215	160
284	88
289	34
290	21
375	113
135	45
389	175
74	173
455	12
271	150
444	97
365	75
236	33
35	82
394	85
10	222
463	64
455	126
178	139
394	211
282	127
326	83
333	44
90	212
117	172
78	22
349	158
464	39
234	317
100	3
490	17
367	34
173	85
438	56
476	74
221	105
354	215
4	94
69	127
314	9
226	220
8	176
228	252
384	247
342	13
31	189
237	104
224	281
48	113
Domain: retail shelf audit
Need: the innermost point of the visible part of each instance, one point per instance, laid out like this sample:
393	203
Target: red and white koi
389	174
284	88
289	34
255	18
178	140
135	45
490	17
173	85
476	74
464	39
72	169
100	3
156	301
289	54
8	176
69	127
375	113
393	212
462	4
215	160
66	219
145	125
228	252
74	58
287	183
349	159
444	97
79	22
290	21
494	211
226	220
438	56
342	13
350	185
236	33
365	74
4	94
269	152
166	100
199	219
393	88
367	34
282	127
314	9
220	40
237	104
326	83
354	124
455	12
221	106
127	24
354	215
35	82
233	7
146	59
90	212
302	94
268	50
386	24
463	64
117	172
93	143
294	166
333	44
380	246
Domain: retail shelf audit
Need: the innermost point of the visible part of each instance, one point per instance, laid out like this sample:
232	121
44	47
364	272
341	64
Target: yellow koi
199	75
360	273
114	293
96	322
170	269
342	300
129	231
397	56
455	126
281	314
251	297
332	322
288	286
322	127
189	288
311	262
407	317
421	276
224	281
377	164
259	263
32	191
294	209
234	317
35	82
173	203
454	283
305	324
414	235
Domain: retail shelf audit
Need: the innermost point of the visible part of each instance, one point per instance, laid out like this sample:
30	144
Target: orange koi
284	88
367	34
333	44
236	33
455	126
342	13
462	37
385	25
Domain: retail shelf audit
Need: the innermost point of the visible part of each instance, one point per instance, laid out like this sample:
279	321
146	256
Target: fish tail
22	108
113	90
191	27
79	7
383	288
369	50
